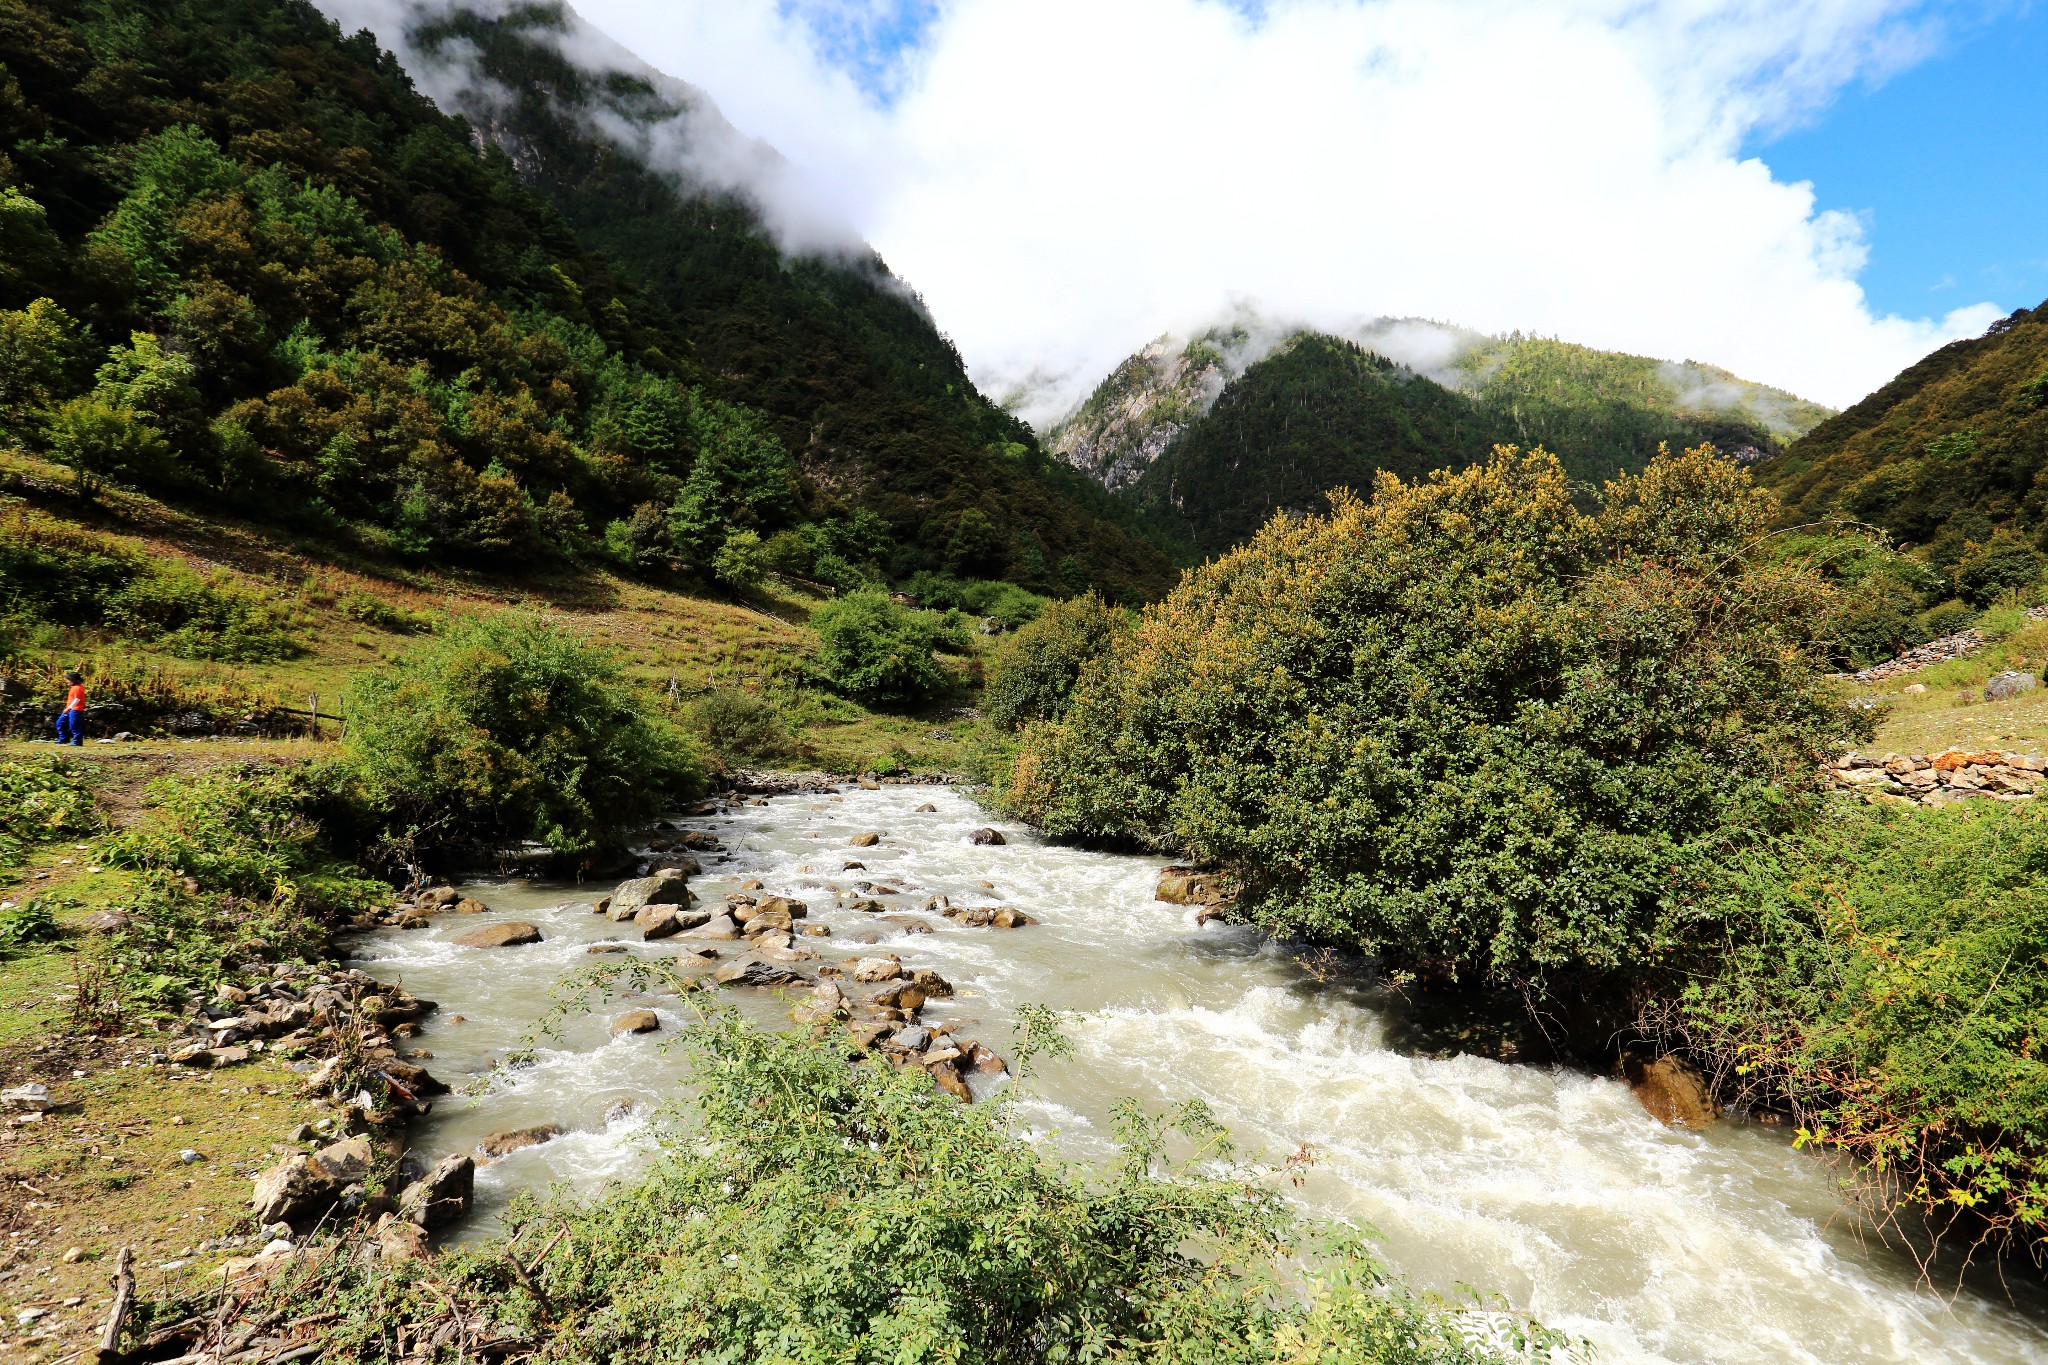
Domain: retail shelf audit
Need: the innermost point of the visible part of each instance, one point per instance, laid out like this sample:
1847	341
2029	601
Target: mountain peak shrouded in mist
1213	432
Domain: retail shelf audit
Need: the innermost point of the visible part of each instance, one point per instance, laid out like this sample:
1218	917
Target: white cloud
1063	179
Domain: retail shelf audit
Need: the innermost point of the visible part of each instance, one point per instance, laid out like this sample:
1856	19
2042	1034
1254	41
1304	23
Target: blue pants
67	728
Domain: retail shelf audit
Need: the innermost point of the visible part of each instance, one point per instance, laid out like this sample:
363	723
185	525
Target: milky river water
1550	1188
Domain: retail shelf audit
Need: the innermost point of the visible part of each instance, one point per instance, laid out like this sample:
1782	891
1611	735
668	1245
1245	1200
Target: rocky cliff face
1136	413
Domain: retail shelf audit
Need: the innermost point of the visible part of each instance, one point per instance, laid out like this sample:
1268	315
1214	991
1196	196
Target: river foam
1550	1188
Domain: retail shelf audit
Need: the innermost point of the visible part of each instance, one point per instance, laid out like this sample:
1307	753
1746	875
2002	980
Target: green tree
40	350
1466	725
741	562
29	252
976	548
2006	562
1034	671
99	443
877	652
511	727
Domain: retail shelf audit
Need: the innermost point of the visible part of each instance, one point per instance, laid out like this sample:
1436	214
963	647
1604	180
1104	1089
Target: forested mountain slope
243	260
1213	437
1946	455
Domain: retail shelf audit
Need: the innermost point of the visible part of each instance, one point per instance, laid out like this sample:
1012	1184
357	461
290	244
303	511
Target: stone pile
297	1010
1959	645
1942	779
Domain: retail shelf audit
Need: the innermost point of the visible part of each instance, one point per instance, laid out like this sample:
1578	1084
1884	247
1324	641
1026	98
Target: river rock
607	948
305	1186
932	984
1186	886
1673	1092
911	1038
909	924
437	897
717	927
900	995
637	1021
985	1060
754	971
986	836
506	934
510	1140
470	906
868	840
401	1240
106	921
664	888
927	809
2004	685
752	884
879	967
1010	917
443	1194
664	921
826	1002
946	1075
780	947
776	921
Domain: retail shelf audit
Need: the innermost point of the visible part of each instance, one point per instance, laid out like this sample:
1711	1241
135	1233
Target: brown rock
754	971
506	934
606	948
443	1194
511	1140
306	1186
1186	886
900	995
986	836
663	888
927	809
717	927
909	924
106	921
868	840
468	906
752	885
932	984
880	967
1009	917
400	1240
868	784
438	897
1672	1091
664	921
776	921
636	1021
949	1080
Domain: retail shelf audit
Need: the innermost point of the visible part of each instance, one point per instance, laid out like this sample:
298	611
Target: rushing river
1550	1188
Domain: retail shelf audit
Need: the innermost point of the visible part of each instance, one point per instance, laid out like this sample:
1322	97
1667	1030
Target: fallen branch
124	1295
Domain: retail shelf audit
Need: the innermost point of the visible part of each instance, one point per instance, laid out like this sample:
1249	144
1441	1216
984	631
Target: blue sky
1947	165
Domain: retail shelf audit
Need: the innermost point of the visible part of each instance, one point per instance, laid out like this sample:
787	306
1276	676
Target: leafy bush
26	925
819	1211
42	800
1465	725
741	726
2006	562
202	618
233	870
1885	978
877	652
372	610
1005	602
1033	673
510	728
1946	618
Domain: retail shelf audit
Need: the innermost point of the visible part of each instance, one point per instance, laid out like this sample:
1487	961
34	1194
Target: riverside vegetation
301	392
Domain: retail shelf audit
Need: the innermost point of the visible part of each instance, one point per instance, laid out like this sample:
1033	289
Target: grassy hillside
248	267
1944	456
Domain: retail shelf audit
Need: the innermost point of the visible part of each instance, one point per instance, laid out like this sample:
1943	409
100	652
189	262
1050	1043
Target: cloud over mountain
1064	179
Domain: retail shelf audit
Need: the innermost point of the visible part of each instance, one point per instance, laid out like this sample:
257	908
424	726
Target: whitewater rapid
1549	1188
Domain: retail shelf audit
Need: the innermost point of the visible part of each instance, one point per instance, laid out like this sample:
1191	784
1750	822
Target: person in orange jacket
73	714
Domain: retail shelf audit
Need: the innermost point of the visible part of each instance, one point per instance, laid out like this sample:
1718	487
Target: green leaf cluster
1884	977
43	800
879	653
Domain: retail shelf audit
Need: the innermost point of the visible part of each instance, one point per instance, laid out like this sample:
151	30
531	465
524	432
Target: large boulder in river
442	1195
511	1140
753	971
637	1021
1672	1091
664	921
868	840
306	1186
1187	886
880	967
663	888
506	934
986	836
